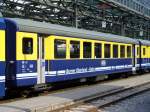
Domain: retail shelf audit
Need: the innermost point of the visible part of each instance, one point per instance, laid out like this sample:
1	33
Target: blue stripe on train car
61	70
2	68
26	74
145	64
2	79
2	89
26	82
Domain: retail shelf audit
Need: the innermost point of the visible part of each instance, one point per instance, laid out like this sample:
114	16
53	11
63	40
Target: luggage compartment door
41	61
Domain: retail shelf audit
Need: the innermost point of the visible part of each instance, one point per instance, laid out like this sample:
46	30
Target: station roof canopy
52	29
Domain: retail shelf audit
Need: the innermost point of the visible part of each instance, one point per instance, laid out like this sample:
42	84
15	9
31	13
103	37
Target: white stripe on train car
137	65
145	64
130	65
64	72
27	75
27	78
61	72
2	78
50	73
102	68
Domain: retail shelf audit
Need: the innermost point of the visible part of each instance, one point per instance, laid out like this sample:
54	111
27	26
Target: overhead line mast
98	15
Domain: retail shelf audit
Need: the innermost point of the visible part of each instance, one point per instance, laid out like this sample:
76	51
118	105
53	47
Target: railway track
89	103
58	89
97	101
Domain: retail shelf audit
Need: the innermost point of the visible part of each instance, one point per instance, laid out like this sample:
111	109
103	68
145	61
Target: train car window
144	51
98	50
107	50
27	45
122	51
115	51
60	48
129	51
74	49
87	50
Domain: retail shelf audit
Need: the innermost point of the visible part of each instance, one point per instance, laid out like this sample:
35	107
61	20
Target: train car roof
52	29
145	42
2	24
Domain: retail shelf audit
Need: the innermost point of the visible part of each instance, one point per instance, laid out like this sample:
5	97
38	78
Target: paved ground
139	103
52	101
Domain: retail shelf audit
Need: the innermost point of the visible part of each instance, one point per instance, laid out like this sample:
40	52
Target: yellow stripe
111	47
49	46
125	51
81	49
19	46
2	45
68	49
119	55
103	50
93	51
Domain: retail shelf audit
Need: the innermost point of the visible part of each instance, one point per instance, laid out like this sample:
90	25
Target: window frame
66	48
109	43
128	52
113	51
137	51
101	55
144	51
124	50
87	41
24	47
79	48
19	53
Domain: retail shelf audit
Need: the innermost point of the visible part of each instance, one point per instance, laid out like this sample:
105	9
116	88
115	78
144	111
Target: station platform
57	100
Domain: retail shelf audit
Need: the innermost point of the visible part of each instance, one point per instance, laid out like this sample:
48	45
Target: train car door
134	59
136	55
41	61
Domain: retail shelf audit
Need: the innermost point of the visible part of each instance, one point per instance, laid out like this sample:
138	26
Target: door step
40	87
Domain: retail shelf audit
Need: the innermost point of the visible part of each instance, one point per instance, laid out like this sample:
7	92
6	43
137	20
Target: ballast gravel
138	103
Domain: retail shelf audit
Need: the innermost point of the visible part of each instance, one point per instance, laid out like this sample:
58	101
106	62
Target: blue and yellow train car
70	58
45	53
2	57
39	53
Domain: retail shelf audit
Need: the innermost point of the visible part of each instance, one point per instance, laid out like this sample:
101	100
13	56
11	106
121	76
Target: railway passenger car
44	53
39	53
